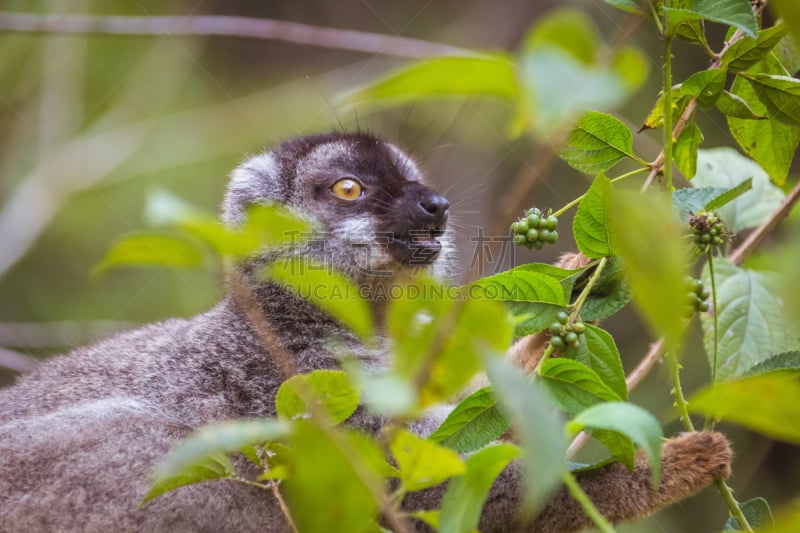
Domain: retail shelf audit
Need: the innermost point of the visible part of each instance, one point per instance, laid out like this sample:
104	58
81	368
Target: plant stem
586	290
671	355
545	356
733	505
668	139
716	314
577	200
576	492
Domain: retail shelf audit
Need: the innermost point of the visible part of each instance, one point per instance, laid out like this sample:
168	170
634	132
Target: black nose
435	207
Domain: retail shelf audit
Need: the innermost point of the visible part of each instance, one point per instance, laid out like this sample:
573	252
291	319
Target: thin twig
229	26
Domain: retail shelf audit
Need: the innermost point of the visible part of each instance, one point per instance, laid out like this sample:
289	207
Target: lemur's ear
258	179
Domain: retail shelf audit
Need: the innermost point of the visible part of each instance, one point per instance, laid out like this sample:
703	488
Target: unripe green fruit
557	342
578	327
705	238
551	238
520	240
562	317
523	226
555	328
571	337
703	307
552	222
538	245
533	235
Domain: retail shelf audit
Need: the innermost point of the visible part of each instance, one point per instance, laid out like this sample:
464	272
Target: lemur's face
367	195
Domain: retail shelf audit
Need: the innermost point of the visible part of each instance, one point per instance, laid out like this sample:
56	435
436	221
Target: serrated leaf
590	225
539	427
573	386
782	361
780	95
768	404
696	199
685	149
757	513
213	466
599	353
330	291
770	143
752	321
597	143
423	463
610	293
463	502
521	286
330	462
482	75
736	13
647	237
725	167
150	249
747	52
734	106
475	422
706	85
628	419
331	392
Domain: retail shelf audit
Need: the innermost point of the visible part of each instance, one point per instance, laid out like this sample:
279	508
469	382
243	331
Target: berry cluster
564	334
535	229
696	297
707	229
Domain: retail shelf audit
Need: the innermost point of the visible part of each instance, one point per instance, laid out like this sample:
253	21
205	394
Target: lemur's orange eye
347	189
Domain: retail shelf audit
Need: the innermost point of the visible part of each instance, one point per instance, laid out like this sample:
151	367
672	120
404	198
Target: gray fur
80	435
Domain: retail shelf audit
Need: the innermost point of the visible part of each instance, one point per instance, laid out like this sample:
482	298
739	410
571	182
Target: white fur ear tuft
255	180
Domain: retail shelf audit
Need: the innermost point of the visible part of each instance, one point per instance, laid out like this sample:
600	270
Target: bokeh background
92	125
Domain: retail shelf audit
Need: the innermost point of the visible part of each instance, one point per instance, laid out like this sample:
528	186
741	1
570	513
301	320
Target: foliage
440	343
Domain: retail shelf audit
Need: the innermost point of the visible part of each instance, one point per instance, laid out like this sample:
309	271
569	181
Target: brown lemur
80	435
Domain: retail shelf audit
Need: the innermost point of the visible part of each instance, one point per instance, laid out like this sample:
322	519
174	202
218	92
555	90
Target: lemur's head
374	214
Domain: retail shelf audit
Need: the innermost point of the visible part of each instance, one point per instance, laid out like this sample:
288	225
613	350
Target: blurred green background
90	125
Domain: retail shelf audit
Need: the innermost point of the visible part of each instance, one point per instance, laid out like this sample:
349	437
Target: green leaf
330	391
597	143
752	320
610	293
782	361
463	502
736	13
685	150
333	462
734	106
789	10
628	419
729	195
475	422
768	404
330	291
619	446
696	199
626	5
590	225
521	286
646	235
757	512
780	95
747	52
213	466
725	167
573	386
770	143
599	353
481	75
423	463
150	249
656	117
428	329
567	29
706	85
539	427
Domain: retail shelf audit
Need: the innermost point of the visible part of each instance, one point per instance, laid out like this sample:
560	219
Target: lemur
80	435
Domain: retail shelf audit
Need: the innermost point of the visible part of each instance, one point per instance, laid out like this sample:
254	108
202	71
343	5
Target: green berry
523	225
520	240
578	327
538	245
555	328
557	342
571	337
704	294
703	307
562	317
533	235
705	238
552	222
552	237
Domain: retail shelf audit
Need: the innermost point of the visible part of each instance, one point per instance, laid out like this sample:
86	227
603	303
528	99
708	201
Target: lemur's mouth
419	247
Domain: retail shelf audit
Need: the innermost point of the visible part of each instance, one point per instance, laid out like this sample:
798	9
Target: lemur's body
80	435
